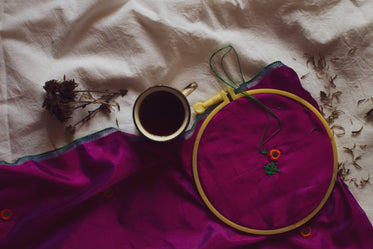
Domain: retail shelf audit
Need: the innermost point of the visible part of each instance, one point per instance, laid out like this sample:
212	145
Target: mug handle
189	89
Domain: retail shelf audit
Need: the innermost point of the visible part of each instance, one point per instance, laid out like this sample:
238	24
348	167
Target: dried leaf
350	151
341	165
363	146
331	81
324	97
330	120
357	158
356	165
321	63
322	111
357	132
336	113
319	76
333	116
365	181
348	171
304	76
369	114
336	95
340	129
352	180
342	171
360	101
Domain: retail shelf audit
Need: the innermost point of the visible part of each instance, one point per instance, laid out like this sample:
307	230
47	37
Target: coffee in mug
161	113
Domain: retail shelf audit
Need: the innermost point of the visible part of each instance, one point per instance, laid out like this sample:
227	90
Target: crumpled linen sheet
126	192
138	44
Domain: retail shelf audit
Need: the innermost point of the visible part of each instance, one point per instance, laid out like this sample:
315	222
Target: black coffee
161	113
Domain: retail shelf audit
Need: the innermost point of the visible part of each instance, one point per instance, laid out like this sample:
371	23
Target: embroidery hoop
225	101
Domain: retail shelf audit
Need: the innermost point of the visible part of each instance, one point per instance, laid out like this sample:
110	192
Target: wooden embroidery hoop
223	98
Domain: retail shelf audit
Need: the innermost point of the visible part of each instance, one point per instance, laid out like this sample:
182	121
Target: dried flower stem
60	101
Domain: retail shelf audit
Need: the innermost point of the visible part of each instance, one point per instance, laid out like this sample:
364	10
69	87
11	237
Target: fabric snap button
109	192
274	155
306	232
6	214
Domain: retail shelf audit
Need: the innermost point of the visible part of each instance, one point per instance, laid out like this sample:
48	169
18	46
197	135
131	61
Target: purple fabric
57	198
229	161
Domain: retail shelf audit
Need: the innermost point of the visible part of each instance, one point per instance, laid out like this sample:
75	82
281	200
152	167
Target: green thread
271	169
236	87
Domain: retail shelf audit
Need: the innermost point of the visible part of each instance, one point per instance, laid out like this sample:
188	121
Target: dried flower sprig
61	101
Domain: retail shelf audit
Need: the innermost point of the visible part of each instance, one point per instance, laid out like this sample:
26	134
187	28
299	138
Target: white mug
162	113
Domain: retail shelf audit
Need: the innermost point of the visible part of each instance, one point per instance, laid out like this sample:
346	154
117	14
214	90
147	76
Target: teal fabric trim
65	148
259	76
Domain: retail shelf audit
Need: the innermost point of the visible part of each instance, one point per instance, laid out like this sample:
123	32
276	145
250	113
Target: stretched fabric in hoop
225	162
60	199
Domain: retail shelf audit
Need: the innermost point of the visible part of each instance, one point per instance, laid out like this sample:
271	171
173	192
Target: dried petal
336	95
339	128
363	146
331	81
360	101
365	181
349	150
356	165
324	97
304	76
342	171
369	114
321	63
357	132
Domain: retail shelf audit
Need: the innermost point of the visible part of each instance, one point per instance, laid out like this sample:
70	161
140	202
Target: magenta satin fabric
58	199
229	161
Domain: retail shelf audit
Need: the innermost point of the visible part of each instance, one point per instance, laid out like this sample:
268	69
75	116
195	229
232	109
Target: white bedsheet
112	44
